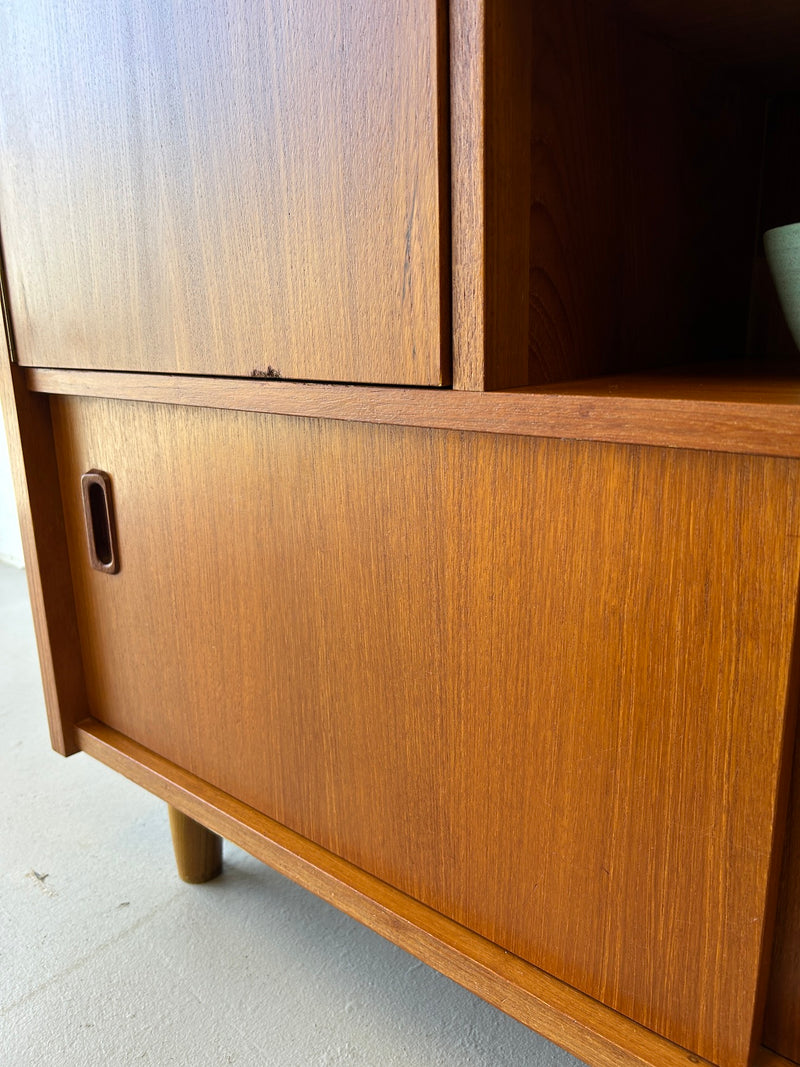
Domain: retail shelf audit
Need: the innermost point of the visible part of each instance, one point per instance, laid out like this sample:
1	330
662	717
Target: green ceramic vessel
782	246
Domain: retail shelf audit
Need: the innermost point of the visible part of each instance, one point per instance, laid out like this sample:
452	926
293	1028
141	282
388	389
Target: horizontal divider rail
757	416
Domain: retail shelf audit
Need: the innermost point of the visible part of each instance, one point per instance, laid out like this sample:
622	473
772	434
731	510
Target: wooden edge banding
443	150
778	1009
705	417
561	1014
467	191
490	103
782	1017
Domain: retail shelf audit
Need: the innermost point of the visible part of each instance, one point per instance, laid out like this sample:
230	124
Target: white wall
10	543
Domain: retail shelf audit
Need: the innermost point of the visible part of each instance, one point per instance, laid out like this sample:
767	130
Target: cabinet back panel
643	202
539	685
251	189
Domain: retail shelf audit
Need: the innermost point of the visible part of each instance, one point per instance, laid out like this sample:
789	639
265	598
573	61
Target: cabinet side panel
33	465
782	1019
31	451
257	196
538	685
490	78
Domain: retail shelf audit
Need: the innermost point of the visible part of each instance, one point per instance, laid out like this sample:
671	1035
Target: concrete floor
107	958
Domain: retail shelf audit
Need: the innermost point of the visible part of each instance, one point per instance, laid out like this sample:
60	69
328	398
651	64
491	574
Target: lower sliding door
539	685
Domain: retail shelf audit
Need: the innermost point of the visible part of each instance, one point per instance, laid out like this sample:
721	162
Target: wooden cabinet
506	670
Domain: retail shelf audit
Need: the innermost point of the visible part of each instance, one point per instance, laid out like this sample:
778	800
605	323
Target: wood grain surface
539	686
35	476
782	1019
264	197
468	192
598	1035
490	108
743	411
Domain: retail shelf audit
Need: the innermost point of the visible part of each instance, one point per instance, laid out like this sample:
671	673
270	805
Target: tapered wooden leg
198	851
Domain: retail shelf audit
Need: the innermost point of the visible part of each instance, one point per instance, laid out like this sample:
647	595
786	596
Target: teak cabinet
407	444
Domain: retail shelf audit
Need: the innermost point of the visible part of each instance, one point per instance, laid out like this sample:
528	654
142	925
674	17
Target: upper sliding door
244	187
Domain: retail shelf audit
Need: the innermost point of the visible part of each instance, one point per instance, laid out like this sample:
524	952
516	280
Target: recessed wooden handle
98	512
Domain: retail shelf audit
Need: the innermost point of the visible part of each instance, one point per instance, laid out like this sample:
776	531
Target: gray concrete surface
107	958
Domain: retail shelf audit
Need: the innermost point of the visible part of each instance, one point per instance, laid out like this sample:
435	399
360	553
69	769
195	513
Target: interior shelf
735	381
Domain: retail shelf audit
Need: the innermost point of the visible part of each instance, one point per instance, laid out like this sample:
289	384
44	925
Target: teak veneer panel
260	188
539	686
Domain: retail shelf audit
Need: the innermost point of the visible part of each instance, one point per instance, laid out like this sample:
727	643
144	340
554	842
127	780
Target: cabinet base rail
582	1026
